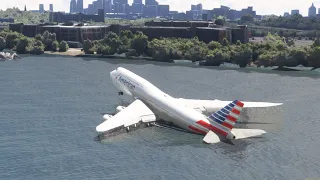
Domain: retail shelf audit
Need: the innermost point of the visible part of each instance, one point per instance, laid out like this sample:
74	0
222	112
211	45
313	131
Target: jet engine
120	108
106	117
230	136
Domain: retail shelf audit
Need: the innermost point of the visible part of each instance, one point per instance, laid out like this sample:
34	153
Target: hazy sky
262	7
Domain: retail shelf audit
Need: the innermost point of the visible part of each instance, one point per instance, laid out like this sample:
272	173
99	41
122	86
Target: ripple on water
50	107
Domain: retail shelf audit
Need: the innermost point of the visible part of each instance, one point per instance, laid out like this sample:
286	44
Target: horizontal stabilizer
211	138
247	133
260	104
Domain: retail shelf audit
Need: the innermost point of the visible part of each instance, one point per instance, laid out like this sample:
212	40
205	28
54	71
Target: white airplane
213	118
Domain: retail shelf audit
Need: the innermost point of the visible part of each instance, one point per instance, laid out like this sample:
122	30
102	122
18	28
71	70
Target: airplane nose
113	74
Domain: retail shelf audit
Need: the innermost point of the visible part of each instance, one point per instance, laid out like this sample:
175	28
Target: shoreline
76	52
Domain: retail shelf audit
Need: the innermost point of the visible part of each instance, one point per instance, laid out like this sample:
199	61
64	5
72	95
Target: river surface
50	106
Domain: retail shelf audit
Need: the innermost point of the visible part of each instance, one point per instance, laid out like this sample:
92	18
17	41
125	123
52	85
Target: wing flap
148	118
134	113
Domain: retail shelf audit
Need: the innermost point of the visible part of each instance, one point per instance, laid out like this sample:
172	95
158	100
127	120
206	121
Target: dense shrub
63	47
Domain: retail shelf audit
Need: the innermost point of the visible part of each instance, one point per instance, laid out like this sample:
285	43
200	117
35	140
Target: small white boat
8	56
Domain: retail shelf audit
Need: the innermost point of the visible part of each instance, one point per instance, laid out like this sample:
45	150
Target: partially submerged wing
134	113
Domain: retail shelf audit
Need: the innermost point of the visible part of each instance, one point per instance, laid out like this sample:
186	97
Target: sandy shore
70	52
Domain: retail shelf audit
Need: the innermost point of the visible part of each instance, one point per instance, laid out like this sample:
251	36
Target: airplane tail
228	115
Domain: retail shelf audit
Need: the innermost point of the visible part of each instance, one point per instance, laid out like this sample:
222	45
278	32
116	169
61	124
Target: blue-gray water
50	106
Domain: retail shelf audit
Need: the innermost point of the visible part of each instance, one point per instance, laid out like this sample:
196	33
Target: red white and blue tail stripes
228	115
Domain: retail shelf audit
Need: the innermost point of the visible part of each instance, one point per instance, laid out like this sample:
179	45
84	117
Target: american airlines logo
126	83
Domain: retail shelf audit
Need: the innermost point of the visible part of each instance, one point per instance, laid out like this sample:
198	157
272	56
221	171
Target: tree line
26	45
296	21
26	17
274	50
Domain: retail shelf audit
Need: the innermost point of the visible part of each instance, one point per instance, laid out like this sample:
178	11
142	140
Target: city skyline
262	8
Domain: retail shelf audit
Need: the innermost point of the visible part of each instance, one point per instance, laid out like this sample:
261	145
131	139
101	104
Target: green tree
220	21
113	41
216	57
38	48
23	45
300	56
39	37
139	42
63	46
313	59
48	39
214	45
126	33
55	46
243	56
12	39
247	18
2	43
225	42
159	50
290	42
316	43
87	46
106	50
267	58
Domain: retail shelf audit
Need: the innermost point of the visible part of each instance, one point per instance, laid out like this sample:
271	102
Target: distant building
61	17
120	6
51	7
137	1
286	14
295	11
80	6
41	8
229	13
150	11
73	6
163	10
137	8
66	33
9	20
312	11
108	6
151	3
195	13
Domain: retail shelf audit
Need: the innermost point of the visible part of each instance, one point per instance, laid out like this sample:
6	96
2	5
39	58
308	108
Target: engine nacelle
120	108
107	116
230	136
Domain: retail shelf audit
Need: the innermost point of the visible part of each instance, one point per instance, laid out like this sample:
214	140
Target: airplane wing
203	105
134	113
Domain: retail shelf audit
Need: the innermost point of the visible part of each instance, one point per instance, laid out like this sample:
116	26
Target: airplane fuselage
162	103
